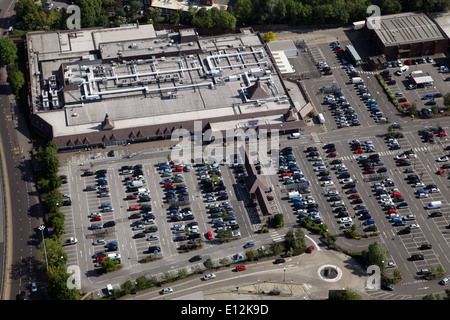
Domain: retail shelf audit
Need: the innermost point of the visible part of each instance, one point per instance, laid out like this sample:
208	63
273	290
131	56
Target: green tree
56	257
269	36
154	14
174	18
15	78
202	19
277	220
225	19
57	287
127	287
447	100
8	50
432	296
243	11
29	15
347	294
376	255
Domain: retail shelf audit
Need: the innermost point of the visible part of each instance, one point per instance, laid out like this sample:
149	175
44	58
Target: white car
444	281
338	204
327	183
409	217
345	220
346	180
94	214
442	159
153	237
332	193
414	226
346	225
209	276
99	241
177	146
434	190
66	195
391	264
422	195
321	168
419	185
166	290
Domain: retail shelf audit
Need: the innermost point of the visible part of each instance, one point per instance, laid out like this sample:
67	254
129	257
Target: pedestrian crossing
275	236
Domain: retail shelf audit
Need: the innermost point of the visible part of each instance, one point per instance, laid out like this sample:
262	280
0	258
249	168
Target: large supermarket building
103	87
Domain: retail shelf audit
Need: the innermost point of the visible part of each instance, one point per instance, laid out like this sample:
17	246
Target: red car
392	211
286	174
209	235
367	171
397	194
132	197
99	259
168	185
133	208
128	179
441	171
408	62
387	79
402	100
178	169
241	268
401	160
332	155
309	249
96	218
354	196
270	198
406	105
359	151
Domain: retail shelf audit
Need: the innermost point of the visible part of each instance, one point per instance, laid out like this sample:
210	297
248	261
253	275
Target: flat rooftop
227	76
405	28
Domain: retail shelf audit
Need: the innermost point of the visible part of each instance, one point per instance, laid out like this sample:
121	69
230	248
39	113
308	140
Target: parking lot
387	200
151	208
366	181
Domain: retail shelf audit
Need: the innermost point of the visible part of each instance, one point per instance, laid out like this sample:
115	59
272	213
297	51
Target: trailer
353	55
321	118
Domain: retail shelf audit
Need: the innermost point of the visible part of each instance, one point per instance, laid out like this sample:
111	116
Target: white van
294	135
109	289
357	80
402	70
434	205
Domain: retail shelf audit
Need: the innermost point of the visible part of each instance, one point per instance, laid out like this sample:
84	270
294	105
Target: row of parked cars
343	112
221	214
102	189
303	205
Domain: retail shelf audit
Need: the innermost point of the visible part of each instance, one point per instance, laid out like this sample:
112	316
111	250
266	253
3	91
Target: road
25	213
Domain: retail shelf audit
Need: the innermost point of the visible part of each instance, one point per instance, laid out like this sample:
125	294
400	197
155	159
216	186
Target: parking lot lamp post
41	227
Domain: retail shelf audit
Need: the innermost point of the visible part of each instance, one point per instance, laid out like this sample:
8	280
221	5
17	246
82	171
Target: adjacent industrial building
101	87
407	35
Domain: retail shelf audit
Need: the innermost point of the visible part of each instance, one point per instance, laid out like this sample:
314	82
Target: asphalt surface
28	214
